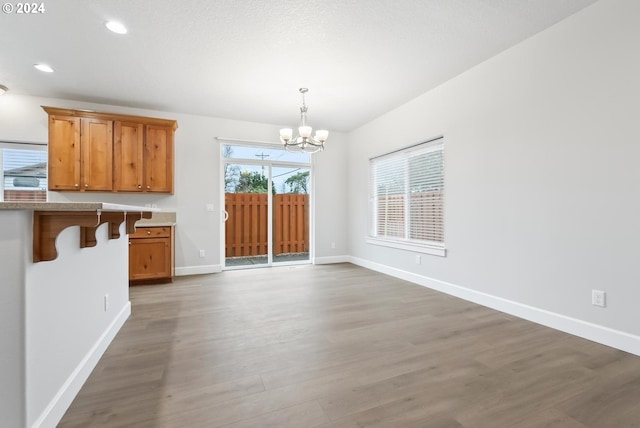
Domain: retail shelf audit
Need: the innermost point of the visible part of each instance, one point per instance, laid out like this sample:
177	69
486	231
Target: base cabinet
151	255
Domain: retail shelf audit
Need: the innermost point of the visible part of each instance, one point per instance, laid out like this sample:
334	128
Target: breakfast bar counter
51	218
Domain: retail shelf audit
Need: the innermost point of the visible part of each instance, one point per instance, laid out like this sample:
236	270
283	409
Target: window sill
409	246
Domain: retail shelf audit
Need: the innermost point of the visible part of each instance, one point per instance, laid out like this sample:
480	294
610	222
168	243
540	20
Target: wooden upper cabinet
128	148
64	152
90	151
80	153
96	148
158	159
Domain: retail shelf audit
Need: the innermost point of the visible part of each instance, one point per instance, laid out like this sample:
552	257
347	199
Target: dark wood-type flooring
342	346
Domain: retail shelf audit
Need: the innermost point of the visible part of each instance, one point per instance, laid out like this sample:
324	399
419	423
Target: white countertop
74	206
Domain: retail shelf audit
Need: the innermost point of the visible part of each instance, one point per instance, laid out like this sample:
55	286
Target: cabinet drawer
151	232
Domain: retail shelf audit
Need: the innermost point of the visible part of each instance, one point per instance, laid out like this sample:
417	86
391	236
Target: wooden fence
246	227
425	216
25	195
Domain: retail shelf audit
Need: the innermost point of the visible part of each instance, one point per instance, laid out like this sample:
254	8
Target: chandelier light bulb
305	131
286	134
321	135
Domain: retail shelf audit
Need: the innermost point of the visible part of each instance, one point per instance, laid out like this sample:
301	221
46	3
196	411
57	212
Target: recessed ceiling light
116	27
3	89
44	67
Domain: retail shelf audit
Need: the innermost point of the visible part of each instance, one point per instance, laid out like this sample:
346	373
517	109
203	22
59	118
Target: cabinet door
128	148
149	258
158	159
64	153
97	154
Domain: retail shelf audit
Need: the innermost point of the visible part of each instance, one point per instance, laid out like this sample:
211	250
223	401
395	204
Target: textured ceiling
246	59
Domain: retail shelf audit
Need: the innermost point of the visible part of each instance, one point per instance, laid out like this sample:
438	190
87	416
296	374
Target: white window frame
18	145
408	244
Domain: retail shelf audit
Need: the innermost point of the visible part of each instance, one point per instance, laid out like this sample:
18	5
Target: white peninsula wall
54	324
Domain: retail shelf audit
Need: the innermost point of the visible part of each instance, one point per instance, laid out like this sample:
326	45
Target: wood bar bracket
47	225
132	218
88	234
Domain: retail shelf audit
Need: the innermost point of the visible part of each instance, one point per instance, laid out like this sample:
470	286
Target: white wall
330	198
197	176
13	254
542	146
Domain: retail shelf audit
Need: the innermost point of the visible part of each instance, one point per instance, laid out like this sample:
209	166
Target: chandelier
303	142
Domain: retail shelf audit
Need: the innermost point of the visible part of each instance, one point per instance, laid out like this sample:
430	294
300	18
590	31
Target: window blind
24	174
407	194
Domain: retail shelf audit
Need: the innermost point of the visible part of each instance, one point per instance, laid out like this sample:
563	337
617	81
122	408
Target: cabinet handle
148	187
76	185
86	186
148	232
139	186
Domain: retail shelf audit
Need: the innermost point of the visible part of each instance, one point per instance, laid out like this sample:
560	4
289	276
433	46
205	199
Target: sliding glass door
267	206
247	216
290	210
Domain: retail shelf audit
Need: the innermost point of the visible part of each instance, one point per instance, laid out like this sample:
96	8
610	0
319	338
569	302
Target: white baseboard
594	332
331	260
62	400
197	270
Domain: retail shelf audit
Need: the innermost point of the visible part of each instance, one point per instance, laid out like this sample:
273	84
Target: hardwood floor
342	346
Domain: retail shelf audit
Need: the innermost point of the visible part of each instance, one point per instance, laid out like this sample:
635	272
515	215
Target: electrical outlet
201	253
598	298
106	302
418	259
